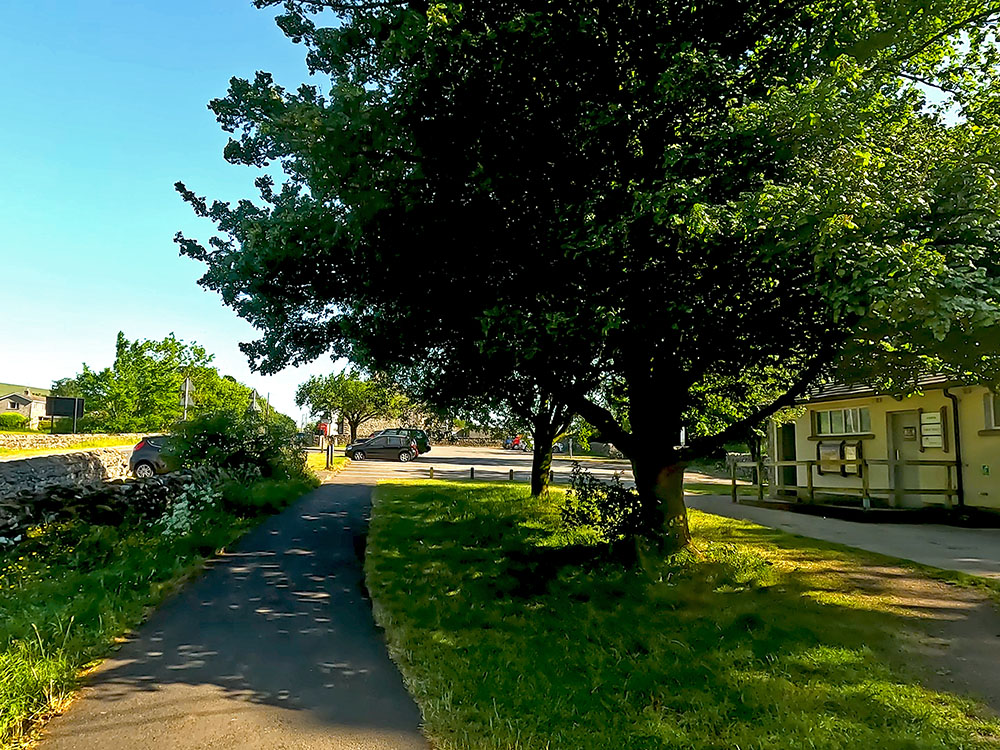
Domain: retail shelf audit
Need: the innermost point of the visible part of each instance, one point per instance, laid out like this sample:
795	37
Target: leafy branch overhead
667	213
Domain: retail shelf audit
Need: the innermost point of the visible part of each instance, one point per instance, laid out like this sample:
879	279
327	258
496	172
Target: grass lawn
71	590
710	488
316	461
111	442
512	633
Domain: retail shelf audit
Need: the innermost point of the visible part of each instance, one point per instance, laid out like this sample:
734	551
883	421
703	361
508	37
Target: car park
419	437
391	447
148	458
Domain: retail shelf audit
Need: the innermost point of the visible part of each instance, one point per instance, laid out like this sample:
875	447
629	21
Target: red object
139	445
323	428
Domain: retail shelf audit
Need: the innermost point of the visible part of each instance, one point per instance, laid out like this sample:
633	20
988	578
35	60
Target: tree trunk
541	459
659	480
354	431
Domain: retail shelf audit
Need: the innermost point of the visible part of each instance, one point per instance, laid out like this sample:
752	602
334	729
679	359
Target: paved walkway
974	551
274	647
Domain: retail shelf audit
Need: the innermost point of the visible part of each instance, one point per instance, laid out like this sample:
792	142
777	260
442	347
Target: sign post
64	406
186	389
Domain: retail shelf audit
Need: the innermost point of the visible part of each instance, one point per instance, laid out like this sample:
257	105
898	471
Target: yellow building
852	445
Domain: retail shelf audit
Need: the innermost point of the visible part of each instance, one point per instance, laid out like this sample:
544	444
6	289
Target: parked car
419	437
399	447
147	459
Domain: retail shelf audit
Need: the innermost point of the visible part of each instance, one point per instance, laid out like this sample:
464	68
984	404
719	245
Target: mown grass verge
71	590
512	632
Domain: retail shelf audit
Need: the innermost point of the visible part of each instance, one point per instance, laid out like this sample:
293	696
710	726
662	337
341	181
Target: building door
904	445
786	452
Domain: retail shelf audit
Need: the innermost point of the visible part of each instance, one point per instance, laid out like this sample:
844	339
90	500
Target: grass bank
71	590
514	633
316	461
84	445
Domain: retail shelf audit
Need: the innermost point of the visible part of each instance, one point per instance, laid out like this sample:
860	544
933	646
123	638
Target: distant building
27	403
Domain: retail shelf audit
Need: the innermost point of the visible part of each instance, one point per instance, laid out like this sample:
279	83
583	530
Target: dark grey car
392	447
147	458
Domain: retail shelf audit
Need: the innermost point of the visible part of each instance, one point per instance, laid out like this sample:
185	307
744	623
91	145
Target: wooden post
809	481
472	472
760	479
329	456
732	472
510	475
432	472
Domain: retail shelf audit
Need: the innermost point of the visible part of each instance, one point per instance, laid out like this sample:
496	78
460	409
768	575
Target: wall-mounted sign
932	433
829	458
909	433
852	452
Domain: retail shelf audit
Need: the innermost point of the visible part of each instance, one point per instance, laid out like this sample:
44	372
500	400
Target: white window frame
990	411
850	420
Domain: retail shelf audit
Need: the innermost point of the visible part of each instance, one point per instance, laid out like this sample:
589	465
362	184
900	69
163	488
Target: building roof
17	397
15	388
842	391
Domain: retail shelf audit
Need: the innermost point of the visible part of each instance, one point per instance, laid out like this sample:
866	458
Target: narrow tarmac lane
273	647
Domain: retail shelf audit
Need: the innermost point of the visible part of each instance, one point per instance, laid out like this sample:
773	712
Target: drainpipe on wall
959	484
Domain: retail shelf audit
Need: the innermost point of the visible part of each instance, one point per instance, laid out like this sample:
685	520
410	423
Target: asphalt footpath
273	647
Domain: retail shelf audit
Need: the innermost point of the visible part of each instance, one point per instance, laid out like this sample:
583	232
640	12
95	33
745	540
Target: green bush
263	497
12	421
239	443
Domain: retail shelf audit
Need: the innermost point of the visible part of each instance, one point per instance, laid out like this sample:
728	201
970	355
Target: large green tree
689	204
141	391
355	398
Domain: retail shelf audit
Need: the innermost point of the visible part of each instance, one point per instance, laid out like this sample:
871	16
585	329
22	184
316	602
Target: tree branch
738	430
604	421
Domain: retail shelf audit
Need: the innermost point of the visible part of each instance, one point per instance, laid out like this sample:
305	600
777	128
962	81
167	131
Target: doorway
786	452
904	445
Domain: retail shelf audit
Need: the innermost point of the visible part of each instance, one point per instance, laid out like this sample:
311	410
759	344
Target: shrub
12	421
609	508
263	497
233	442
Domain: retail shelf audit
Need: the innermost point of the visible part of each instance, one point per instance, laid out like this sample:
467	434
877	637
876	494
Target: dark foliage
239	442
610	508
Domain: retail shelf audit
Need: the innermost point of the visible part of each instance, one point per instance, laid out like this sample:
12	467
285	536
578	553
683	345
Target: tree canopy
347	394
689	210
141	391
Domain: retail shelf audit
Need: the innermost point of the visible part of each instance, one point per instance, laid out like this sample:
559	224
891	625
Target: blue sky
102	109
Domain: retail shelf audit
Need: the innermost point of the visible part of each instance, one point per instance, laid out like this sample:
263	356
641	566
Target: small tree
356	399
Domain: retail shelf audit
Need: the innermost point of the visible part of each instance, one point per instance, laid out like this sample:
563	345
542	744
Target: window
855	421
992	404
13	405
395	442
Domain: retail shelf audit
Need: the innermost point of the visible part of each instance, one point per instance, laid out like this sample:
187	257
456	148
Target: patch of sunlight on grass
512	631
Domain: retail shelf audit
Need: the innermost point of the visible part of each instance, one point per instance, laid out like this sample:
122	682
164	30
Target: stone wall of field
30	441
61	470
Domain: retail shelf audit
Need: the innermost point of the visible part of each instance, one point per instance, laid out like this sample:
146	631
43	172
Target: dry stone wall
65	469
29	441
